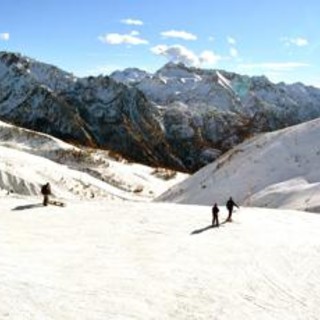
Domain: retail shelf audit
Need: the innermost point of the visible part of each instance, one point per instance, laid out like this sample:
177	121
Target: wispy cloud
5	36
231	40
234	52
299	41
274	71
274	66
179	34
134	22
116	38
178	53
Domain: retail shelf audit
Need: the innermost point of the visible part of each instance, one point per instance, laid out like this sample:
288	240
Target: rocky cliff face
179	117
31	103
214	109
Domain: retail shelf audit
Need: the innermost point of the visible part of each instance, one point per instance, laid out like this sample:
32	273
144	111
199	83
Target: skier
215	218
230	204
46	191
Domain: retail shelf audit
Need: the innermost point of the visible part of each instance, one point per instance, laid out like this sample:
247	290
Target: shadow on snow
28	206
202	229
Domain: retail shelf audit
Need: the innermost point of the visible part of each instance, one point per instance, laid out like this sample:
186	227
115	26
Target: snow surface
113	254
279	170
129	260
29	159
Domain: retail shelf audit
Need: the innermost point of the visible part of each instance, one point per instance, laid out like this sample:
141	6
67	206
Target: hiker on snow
46	191
215	218
230	204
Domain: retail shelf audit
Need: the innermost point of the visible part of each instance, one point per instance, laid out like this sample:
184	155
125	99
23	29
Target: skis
57	203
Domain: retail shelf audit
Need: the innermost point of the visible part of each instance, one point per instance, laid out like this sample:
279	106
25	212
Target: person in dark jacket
46	191
215	217
230	204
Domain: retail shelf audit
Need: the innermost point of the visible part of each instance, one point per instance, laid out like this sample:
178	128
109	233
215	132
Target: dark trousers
215	220
45	200
230	214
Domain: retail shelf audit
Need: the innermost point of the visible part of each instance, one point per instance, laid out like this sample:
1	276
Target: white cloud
134	33
234	52
209	57
134	22
179	34
211	38
274	66
5	36
116	38
178	53
231	40
299	42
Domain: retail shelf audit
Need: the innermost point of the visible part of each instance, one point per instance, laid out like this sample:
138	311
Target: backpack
45	189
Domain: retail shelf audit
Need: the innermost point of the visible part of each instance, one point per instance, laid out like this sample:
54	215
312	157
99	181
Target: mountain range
180	118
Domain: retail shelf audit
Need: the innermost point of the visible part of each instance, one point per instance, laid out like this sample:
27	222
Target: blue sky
279	39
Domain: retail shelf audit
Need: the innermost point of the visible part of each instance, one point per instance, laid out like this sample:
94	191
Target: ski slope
128	260
280	169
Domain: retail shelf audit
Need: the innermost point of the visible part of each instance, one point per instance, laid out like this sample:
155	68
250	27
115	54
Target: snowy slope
29	159
129	75
122	260
279	170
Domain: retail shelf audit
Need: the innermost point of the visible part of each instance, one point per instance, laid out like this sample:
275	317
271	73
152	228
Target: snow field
130	260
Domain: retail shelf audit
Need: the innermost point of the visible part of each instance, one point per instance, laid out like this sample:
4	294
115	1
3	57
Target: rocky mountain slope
96	112
215	109
180	118
280	169
28	159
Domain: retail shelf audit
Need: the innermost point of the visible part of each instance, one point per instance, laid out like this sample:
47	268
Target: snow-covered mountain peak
175	71
130	75
45	74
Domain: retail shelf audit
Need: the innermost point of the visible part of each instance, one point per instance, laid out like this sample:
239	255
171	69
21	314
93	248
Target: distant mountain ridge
181	118
224	91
